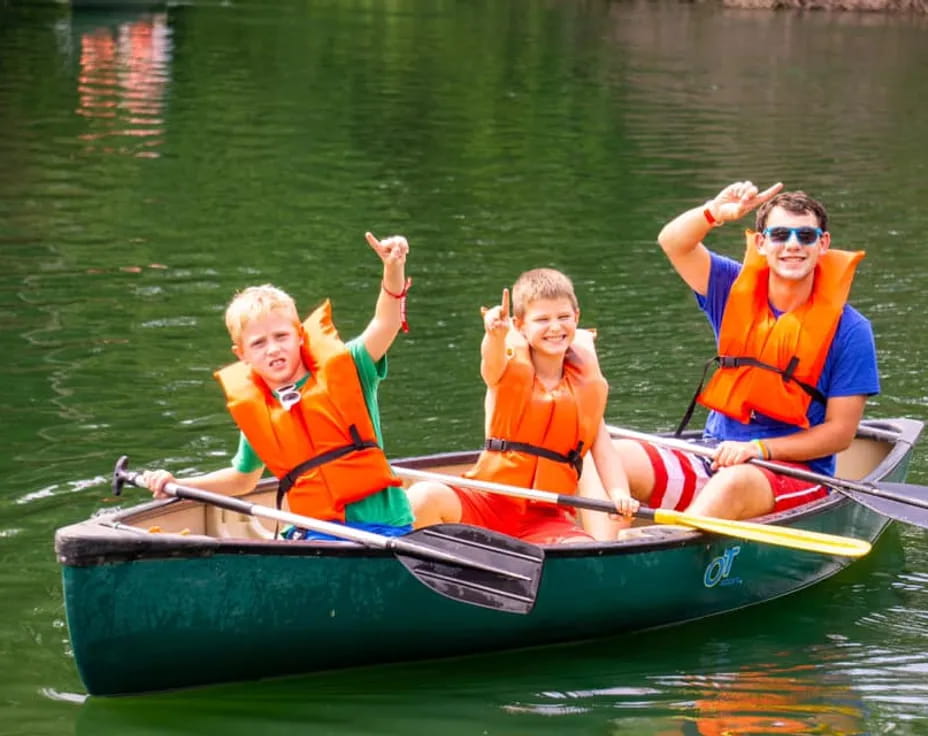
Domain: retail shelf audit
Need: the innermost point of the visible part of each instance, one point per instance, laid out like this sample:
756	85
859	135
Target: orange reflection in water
772	702
121	85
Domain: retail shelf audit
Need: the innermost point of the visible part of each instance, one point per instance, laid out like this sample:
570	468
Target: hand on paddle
496	320
625	505
734	453
390	250
737	199
155	481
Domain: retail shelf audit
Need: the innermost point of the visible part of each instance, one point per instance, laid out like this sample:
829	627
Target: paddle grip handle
122	475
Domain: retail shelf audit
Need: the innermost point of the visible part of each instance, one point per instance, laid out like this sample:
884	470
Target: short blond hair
256	302
541	283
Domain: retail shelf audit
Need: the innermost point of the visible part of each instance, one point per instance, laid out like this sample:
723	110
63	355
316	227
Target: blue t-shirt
850	366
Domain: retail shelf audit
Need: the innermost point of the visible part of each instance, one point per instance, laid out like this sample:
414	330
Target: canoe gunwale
108	538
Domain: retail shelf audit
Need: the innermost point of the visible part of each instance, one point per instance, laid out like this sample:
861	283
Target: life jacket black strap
289	480
688	414
726	361
572	458
787	373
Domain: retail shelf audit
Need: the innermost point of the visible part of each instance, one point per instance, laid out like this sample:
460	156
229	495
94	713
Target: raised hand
389	250
737	199
496	320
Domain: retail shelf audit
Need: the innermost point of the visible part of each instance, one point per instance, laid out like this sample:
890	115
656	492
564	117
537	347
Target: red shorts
679	477
537	523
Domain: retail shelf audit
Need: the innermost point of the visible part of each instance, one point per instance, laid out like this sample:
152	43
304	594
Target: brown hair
799	203
541	283
255	302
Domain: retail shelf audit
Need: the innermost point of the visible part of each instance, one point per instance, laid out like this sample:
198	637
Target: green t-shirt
389	506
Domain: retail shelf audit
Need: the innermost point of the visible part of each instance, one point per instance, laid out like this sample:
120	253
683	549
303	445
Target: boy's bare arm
496	323
611	472
379	334
228	481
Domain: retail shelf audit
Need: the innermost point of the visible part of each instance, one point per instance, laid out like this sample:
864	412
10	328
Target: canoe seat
226	524
860	458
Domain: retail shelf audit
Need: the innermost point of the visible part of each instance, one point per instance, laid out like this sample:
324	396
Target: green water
153	162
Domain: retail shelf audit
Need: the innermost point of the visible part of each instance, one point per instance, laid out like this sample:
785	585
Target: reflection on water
500	698
121	84
792	700
652	684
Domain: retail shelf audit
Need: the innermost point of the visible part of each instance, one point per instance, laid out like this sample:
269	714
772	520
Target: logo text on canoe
718	571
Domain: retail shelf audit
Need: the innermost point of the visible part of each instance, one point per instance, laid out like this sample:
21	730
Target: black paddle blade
508	570
900	501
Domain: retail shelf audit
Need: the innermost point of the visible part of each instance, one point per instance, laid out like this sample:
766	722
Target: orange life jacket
324	449
772	364
537	437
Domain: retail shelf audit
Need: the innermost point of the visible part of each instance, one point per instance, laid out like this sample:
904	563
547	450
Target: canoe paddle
893	500
767	533
459	561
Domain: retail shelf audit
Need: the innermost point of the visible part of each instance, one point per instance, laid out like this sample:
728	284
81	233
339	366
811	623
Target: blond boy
306	406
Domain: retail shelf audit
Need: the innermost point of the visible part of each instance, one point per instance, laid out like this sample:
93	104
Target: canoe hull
153	612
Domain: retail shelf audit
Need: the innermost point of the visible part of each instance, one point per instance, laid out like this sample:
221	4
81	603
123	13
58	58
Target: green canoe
174	593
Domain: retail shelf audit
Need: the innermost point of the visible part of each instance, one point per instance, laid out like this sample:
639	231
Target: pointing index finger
372	241
504	308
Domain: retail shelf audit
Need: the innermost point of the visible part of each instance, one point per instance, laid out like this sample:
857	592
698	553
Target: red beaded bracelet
707	213
402	297
402	293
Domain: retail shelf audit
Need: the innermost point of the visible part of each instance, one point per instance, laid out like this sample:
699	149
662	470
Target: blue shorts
386	530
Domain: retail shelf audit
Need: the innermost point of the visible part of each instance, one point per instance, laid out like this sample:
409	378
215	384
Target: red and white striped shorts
679	477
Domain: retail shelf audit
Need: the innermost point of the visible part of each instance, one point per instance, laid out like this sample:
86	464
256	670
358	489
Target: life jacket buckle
576	459
495	444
